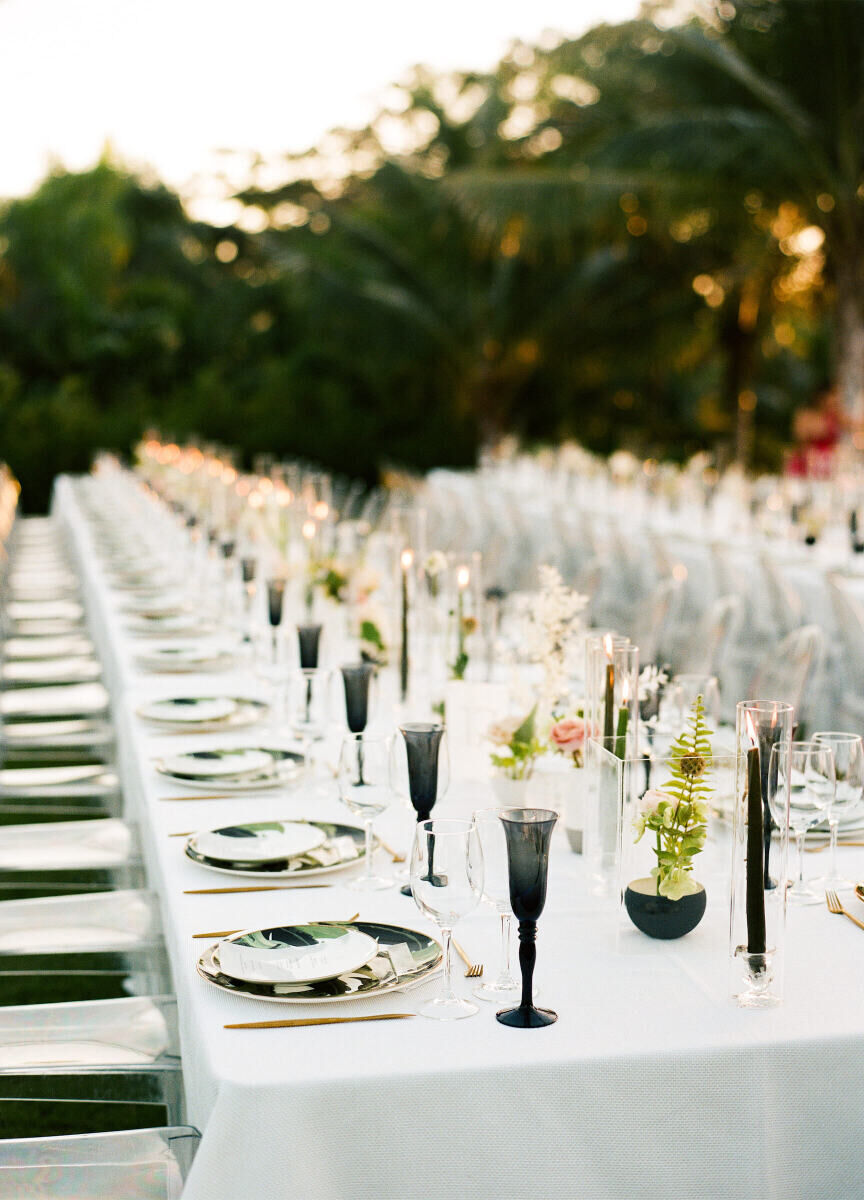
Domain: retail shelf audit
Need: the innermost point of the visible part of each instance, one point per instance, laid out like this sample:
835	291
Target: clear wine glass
447	882
849	767
364	787
496	889
809	769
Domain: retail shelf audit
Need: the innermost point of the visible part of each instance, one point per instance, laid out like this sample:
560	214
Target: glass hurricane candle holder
758	894
612	690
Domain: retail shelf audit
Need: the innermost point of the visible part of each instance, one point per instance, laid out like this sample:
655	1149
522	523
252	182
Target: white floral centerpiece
552	622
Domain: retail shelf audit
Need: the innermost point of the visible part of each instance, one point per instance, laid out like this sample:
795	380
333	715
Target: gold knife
319	1021
264	887
220	933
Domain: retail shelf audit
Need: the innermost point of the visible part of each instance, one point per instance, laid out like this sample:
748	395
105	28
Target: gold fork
834	906
473	970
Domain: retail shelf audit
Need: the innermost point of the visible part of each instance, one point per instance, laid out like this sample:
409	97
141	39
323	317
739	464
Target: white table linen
652	1083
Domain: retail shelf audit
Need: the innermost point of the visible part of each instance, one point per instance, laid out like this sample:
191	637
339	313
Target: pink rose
568	735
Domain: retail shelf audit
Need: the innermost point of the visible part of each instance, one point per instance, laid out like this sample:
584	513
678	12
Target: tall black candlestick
756	941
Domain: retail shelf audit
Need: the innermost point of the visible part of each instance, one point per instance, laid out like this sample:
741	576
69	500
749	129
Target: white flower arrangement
552	624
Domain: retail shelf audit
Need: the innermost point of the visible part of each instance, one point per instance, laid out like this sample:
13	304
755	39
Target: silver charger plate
345	844
287	768
295	954
420	957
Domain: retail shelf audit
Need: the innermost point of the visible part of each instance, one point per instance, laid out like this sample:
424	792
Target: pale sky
168	82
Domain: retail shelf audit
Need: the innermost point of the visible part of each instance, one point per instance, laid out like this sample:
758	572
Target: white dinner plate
296	953
262	842
405	957
285	767
218	763
191	710
343	846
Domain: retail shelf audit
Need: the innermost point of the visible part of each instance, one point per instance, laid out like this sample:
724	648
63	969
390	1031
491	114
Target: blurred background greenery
651	237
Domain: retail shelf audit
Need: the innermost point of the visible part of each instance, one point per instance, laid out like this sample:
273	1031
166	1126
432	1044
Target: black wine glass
308	639
423	774
528	832
357	678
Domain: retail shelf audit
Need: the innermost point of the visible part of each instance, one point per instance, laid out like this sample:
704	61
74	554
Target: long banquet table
652	1082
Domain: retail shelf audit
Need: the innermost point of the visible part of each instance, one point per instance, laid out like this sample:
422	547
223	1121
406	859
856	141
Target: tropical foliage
652	236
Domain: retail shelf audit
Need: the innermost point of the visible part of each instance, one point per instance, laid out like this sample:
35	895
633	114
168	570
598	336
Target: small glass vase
757	922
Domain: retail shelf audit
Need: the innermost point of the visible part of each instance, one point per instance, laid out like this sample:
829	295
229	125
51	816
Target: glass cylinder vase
612	693
760	834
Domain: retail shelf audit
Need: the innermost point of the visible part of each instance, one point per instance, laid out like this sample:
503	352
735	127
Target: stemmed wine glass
496	889
809	769
420	767
849	768
364	787
446	882
528	832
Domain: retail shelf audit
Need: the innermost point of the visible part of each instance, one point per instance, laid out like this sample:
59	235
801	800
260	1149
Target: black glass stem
275	600
356	679
248	567
422	746
528	832
228	547
308	637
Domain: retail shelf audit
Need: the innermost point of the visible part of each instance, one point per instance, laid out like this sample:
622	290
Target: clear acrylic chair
786	607
788	670
66	857
849	614
81	947
73	700
703	651
136	1164
74	740
119	1051
44	672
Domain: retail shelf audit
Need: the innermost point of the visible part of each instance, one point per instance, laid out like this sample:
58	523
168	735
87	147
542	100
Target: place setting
233	769
185	658
202	714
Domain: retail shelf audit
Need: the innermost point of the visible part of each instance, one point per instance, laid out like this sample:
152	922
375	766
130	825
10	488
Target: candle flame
256	500
625	691
321	510
463	577
607	645
407	559
308	530
751	729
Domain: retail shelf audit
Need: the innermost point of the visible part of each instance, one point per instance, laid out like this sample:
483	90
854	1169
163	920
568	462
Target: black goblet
308	638
275	601
424	780
357	678
528	832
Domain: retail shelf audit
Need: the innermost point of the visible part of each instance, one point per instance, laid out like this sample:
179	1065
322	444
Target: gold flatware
859	890
825	845
192	796
474	970
394	854
319	1021
185	833
834	906
263	887
220	933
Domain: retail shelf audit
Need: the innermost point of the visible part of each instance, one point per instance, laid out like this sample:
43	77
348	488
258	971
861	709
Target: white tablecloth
652	1083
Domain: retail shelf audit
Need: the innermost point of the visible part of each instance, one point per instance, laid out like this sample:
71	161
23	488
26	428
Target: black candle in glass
357	678
609	697
405	563
528	832
756	937
308	638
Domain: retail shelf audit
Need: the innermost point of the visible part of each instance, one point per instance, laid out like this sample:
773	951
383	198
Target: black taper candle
756	943
403	656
